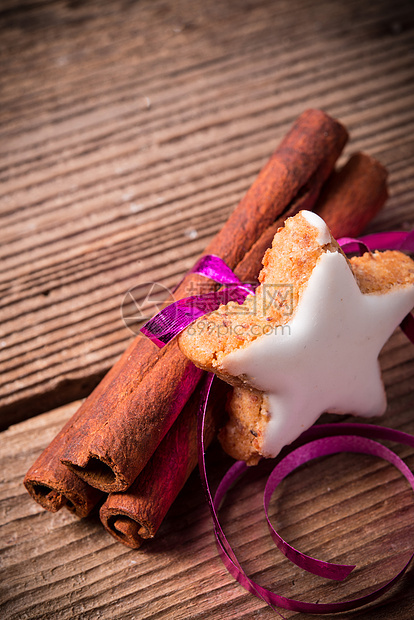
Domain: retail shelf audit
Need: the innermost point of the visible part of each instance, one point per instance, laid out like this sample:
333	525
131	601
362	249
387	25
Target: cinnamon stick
121	429
54	485
348	201
353	197
135	515
48	481
362	185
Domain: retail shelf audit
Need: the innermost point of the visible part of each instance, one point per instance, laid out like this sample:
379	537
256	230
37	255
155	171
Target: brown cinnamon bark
52	484
122	428
355	195
348	201
99	436
135	515
361	185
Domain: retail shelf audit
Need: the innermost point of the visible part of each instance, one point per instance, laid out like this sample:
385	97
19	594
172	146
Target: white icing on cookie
329	360
314	220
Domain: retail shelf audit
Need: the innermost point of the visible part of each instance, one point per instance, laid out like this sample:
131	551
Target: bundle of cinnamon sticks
132	444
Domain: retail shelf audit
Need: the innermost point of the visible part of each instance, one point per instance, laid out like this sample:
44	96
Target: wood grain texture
347	508
130	130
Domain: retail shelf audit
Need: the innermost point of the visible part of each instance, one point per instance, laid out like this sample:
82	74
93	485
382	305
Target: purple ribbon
320	440
174	318
317	441
170	321
393	240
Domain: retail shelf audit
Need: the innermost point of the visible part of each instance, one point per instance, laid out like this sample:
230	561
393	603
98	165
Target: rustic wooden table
129	131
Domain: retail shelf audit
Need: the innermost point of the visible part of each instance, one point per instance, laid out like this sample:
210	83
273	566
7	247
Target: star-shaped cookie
307	342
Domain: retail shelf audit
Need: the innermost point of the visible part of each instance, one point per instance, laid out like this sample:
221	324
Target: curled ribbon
317	441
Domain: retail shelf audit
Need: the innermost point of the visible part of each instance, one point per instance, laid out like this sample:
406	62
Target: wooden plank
128	133
347	508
